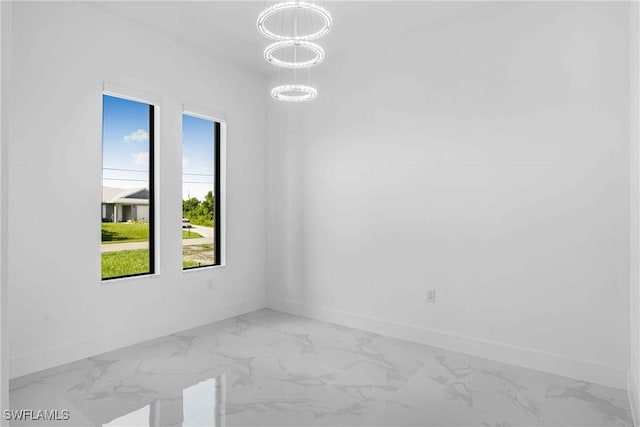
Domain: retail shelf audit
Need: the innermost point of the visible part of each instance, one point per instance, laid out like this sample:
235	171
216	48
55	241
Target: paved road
203	231
201	241
114	247
206	232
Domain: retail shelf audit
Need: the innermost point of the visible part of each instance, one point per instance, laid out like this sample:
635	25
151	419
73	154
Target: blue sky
197	156
125	147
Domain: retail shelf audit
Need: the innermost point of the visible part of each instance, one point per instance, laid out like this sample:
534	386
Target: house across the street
125	204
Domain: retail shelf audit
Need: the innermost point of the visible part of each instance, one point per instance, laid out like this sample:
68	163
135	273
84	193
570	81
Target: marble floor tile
273	369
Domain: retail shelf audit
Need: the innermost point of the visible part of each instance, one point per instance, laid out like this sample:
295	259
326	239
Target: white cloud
140	135
141	159
185	162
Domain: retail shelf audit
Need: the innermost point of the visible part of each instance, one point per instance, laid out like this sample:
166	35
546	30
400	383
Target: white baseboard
556	364
50	357
632	392
609	376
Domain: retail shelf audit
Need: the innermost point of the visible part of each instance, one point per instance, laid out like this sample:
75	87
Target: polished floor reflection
271	368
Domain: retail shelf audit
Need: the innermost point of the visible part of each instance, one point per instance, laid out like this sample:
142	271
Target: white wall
60	310
634	183
5	61
486	157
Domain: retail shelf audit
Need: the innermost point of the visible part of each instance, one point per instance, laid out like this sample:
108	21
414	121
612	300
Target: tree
208	204
189	207
199	212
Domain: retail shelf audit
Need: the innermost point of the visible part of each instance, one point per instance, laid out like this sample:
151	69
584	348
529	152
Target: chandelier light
299	5
269	53
294	25
294	93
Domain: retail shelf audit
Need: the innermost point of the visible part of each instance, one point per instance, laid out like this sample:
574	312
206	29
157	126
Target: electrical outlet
210	284
431	295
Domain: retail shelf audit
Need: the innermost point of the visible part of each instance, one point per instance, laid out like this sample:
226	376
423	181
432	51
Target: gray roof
129	196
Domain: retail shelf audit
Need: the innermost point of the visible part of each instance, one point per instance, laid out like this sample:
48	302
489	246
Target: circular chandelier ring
307	93
269	53
318	10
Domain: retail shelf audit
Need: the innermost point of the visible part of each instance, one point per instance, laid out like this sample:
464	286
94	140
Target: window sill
130	278
203	268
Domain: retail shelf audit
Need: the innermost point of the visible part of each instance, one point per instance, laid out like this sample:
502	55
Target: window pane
127	188
200	190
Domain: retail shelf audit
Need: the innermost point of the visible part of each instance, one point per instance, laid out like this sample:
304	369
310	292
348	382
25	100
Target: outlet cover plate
431	295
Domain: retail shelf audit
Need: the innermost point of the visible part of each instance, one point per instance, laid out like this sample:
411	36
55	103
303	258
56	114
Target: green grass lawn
190	234
123	232
190	264
127	263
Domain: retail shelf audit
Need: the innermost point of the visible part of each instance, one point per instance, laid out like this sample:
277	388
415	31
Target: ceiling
228	28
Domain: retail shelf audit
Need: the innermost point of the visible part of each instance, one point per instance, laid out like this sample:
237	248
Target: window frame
219	131
153	104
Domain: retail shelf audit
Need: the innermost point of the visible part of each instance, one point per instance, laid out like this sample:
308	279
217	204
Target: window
127	188
200	192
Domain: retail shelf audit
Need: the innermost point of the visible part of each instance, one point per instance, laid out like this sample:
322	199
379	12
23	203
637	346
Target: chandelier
294	26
